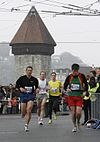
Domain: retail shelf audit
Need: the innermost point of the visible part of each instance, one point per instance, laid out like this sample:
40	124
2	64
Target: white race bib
28	89
75	87
54	90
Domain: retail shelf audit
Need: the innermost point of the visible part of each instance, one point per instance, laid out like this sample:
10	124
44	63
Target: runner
27	85
41	96
75	84
55	87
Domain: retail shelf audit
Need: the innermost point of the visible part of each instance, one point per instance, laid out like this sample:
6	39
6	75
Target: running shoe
41	122
74	129
26	128
55	117
50	121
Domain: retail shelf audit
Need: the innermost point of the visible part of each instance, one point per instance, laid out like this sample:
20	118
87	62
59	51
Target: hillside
65	60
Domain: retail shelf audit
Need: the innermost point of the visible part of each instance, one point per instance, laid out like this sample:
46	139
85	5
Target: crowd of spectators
9	100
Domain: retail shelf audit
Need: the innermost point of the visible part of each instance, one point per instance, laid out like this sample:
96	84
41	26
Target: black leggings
53	105
87	109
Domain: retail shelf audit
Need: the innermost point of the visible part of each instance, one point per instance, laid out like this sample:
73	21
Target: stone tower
32	45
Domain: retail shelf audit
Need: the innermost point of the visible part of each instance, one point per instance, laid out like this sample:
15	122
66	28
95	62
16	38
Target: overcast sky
73	34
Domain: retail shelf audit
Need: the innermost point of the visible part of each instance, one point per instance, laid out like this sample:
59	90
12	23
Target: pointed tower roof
33	31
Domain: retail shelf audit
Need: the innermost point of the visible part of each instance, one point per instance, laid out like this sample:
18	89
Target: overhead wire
17	8
43	2
82	11
53	1
5	2
12	10
78	8
90	5
2	2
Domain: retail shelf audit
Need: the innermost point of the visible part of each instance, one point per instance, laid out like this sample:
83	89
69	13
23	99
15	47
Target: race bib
75	87
54	90
42	91
28	89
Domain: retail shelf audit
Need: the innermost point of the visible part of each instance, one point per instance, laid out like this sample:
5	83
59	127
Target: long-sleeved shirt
25	82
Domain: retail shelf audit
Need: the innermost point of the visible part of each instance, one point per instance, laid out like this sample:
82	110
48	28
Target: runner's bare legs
28	112
76	116
40	111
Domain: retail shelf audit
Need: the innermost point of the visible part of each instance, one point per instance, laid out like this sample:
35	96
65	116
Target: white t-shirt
42	86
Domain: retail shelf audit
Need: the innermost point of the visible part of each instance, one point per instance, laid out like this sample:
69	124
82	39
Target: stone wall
38	62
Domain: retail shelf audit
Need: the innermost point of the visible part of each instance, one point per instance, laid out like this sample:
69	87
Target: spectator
9	106
4	100
14	105
98	79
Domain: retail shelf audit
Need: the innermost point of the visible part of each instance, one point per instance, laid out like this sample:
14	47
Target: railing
95	105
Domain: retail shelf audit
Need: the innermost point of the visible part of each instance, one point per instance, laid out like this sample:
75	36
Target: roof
33	31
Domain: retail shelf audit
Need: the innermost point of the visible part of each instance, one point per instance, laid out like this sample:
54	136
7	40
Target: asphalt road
12	130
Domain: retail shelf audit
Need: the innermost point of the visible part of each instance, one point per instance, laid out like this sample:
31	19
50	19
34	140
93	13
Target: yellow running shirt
55	88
